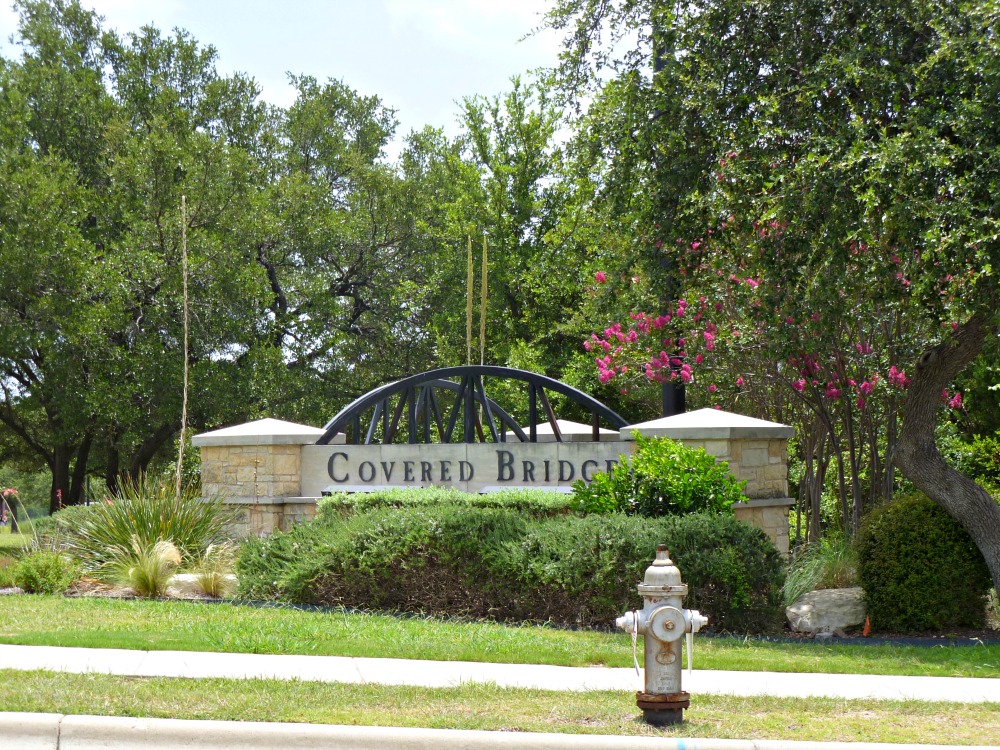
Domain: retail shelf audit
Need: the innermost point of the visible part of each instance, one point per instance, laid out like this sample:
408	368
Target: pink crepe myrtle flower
739	381
600	277
799	385
713	388
956	401
832	391
897	378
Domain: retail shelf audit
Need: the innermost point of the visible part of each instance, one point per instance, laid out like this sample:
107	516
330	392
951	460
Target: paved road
449	673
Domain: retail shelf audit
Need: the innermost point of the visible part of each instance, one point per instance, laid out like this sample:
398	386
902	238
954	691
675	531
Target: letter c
330	469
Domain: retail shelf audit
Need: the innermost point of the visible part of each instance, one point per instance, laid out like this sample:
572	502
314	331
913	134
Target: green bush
663	478
144	513
495	563
920	570
44	572
532	502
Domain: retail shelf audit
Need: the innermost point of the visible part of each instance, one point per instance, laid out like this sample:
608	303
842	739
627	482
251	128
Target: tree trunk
80	471
111	469
147	449
917	455
59	465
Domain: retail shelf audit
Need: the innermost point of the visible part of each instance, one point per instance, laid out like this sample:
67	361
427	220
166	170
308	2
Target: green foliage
919	569
146	568
664	477
143	514
608	492
496	563
830	563
44	572
530	501
977	457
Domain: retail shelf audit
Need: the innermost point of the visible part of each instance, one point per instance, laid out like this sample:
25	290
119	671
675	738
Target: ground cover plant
506	565
475	707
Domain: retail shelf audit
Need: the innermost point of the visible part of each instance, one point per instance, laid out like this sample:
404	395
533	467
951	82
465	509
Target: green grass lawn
187	626
492	708
10	541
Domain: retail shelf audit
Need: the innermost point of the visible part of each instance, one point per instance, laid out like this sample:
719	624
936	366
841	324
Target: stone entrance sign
472	467
275	471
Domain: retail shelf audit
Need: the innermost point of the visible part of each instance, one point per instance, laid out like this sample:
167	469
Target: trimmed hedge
496	563
536	503
920	569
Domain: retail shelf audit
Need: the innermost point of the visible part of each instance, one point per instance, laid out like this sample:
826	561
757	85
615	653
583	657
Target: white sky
419	57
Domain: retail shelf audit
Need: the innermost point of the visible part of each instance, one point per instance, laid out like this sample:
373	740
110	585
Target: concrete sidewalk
195	664
59	732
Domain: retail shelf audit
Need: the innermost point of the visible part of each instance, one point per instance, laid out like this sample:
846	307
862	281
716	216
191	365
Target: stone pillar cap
261	432
708	424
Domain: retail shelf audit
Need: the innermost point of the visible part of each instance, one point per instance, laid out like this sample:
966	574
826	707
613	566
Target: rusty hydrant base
662	710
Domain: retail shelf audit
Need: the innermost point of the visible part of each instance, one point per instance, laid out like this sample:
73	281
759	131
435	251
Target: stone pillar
256	468
756	451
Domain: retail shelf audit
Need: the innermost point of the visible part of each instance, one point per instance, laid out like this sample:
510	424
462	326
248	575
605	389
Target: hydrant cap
662	572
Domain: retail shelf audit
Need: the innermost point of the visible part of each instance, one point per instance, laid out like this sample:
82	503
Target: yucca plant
143	513
146	568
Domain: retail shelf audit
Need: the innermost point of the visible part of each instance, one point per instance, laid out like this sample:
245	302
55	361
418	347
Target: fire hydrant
663	623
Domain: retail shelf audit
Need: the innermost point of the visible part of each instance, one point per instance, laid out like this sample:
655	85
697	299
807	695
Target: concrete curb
60	732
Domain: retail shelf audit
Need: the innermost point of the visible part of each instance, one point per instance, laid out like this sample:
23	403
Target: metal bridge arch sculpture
452	405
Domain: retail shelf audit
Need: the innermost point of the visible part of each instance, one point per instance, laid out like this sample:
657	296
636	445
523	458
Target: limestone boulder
827	611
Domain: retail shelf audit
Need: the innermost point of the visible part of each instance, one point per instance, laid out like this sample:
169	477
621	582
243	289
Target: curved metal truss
451	405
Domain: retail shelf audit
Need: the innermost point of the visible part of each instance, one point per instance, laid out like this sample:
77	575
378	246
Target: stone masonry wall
771	519
251	471
763	463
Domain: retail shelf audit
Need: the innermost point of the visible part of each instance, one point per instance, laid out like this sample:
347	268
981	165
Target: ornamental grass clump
213	571
145	568
831	563
141	515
